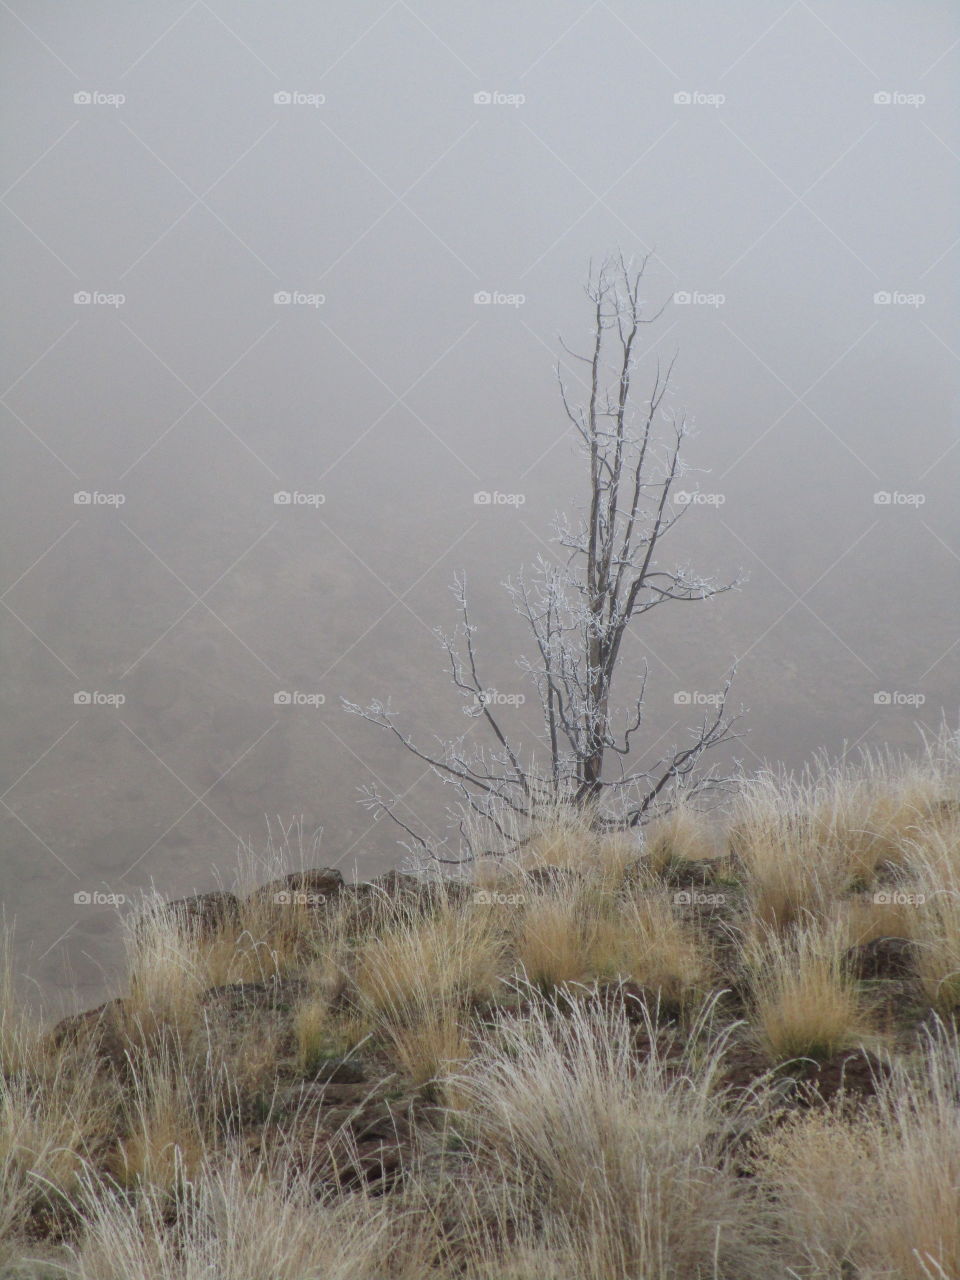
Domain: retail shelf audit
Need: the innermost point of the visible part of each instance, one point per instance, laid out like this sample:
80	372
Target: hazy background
797	197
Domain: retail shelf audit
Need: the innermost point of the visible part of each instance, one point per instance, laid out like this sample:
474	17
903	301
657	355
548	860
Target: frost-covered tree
579	609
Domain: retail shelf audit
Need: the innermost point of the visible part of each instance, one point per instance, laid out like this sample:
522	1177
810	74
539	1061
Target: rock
399	886
691	873
608	996
77	1026
240	997
399	890
854	1072
99	1027
882	958
315	888
678	873
888	872
549	877
205	913
340	1071
301	1097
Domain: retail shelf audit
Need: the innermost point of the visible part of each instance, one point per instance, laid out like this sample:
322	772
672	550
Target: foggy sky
811	174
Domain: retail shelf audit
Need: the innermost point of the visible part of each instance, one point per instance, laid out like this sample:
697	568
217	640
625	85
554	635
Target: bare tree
579	610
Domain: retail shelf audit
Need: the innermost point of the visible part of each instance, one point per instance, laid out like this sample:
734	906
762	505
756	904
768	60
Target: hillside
724	1051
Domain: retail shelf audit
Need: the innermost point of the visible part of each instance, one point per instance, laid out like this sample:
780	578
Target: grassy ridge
729	1052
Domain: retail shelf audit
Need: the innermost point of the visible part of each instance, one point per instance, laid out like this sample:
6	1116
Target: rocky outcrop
317	887
203	913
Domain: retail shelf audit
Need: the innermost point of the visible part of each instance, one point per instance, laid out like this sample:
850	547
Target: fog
282	216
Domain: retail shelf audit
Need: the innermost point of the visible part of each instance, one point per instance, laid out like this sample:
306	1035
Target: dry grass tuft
867	919
415	982
165	981
234	1224
805	841
558	937
804	1004
47	1127
565	837
937	928
685	835
876	1195
648	944
165	1134
620	1159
